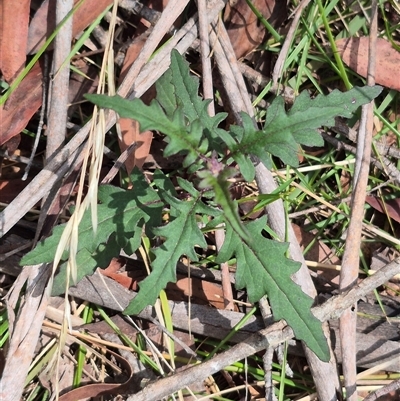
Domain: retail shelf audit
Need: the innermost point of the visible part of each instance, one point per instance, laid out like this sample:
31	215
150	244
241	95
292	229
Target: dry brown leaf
200	291
120	277
319	251
354	52
14	23
130	129
43	23
391	206
345	181
103	389
11	145
245	30
131	133
9	189
22	105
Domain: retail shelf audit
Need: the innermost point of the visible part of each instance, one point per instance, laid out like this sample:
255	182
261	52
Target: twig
138	8
57	117
226	55
171	12
389	168
24	328
269	352
267	362
225	275
393	386
280	62
57	108
341	127
119	163
351	257
208	92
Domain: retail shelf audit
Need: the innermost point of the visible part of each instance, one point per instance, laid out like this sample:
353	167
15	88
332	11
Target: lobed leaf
181	236
284	132
121	216
262	268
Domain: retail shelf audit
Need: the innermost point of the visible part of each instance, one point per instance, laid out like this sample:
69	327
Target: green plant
209	154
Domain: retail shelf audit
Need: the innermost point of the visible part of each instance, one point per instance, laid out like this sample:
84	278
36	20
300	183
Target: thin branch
351	257
204	27
58	106
280	62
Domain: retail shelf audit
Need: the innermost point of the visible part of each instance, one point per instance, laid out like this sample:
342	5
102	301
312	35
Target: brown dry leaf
120	277
14	23
22	105
11	145
103	389
130	128
9	189
345	181
201	292
131	133
245	30
392	207
319	252
43	23
354	52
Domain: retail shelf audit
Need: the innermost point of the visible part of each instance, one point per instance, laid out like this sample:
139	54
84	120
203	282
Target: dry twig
351	257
